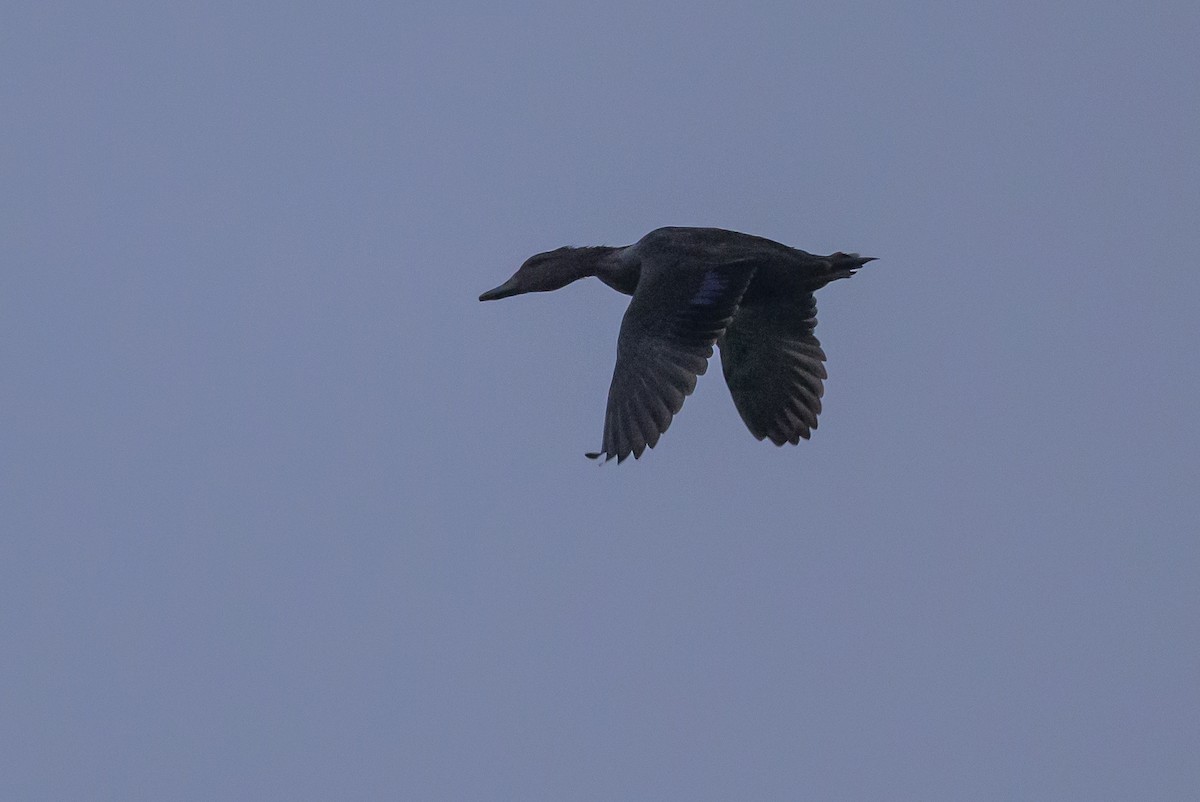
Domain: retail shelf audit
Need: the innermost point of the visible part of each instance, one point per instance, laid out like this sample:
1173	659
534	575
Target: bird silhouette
693	288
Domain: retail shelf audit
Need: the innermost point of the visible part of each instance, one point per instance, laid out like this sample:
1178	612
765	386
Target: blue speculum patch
710	289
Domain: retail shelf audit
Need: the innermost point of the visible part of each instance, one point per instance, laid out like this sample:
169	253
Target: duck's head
543	272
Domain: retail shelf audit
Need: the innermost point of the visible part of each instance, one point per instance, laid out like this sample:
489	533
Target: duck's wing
774	366
666	338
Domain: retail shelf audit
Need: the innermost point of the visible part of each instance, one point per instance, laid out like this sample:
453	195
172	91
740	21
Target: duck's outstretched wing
666	338
774	366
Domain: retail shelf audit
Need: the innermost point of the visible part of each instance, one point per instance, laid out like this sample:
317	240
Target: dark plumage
691	288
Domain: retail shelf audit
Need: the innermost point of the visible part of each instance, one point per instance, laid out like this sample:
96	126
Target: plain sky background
288	514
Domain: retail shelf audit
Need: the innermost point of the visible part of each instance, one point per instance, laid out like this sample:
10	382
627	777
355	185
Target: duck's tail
843	265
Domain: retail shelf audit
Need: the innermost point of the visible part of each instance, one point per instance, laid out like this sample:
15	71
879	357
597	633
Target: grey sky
290	515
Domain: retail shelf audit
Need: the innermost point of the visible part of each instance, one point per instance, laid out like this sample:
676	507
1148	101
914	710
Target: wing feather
667	336
774	366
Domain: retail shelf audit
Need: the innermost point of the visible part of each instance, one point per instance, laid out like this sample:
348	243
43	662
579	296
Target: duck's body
691	288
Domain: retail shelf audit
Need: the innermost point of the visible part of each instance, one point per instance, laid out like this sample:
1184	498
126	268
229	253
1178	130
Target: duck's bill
503	291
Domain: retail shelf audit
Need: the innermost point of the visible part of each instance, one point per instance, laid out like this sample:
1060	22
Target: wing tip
603	457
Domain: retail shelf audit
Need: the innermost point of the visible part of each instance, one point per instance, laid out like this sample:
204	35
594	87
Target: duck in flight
693	288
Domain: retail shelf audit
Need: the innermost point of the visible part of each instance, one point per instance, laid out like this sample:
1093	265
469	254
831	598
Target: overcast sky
288	514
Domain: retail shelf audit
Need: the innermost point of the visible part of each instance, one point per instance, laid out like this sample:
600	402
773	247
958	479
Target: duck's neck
583	262
609	265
